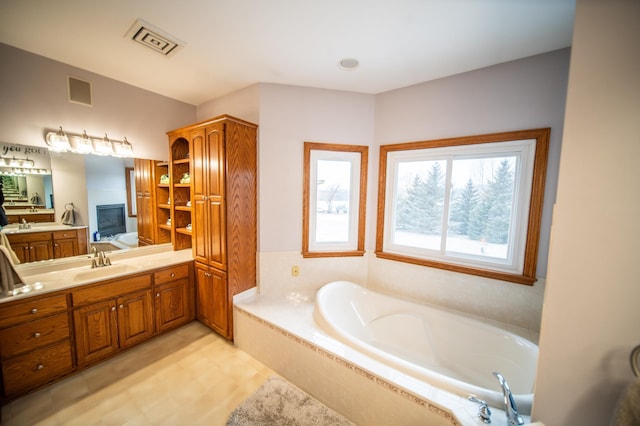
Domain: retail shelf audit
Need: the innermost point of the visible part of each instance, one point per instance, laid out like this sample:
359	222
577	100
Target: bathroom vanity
17	215
78	316
44	241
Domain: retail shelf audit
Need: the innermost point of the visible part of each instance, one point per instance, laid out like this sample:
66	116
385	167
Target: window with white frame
334	199
469	204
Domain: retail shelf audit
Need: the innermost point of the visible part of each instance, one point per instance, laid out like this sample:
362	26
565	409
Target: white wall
591	313
523	94
517	95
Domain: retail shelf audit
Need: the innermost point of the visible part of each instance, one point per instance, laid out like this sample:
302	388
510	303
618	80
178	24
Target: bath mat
277	402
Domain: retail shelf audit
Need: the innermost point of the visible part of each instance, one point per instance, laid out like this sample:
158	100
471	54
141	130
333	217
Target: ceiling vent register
153	38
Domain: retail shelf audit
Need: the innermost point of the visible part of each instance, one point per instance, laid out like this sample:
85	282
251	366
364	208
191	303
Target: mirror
65	179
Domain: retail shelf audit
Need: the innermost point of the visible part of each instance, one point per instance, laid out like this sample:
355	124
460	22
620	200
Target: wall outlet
295	270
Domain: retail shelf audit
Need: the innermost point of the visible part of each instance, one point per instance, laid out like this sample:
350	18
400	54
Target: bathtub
447	350
125	240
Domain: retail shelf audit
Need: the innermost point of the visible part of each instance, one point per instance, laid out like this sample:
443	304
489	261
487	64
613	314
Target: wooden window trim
362	197
528	275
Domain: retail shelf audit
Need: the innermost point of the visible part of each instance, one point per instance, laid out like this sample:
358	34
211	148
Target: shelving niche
163	207
179	192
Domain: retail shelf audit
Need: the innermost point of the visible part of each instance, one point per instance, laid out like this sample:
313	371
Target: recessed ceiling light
348	63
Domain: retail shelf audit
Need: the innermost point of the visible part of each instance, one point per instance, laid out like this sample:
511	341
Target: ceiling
230	44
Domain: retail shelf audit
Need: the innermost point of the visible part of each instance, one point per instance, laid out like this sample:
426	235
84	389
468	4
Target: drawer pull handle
40	367
34	311
36	334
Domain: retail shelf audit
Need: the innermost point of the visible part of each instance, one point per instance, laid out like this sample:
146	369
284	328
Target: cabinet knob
121	306
173	275
157	294
36	334
40	367
113	308
34	311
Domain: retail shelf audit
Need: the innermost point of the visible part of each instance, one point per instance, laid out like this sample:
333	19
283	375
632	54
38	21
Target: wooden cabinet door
135	318
173	305
96	333
204	295
220	302
209	228
144	202
200	193
212	299
215	178
22	251
40	250
65	248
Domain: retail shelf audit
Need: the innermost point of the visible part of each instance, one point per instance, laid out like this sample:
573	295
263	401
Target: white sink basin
103	272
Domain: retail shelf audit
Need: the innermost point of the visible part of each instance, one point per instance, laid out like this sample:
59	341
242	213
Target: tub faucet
513	417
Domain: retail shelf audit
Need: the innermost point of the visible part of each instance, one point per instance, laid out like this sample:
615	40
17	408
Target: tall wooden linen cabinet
216	216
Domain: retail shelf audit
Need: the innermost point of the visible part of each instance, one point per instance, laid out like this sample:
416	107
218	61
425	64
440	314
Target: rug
278	402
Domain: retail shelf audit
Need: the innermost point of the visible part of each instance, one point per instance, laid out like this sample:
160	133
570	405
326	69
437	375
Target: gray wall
34	97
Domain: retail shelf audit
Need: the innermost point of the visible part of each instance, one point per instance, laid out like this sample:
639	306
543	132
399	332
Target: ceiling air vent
153	38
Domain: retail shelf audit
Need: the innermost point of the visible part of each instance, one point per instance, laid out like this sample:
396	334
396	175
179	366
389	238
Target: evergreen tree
420	210
501	191
462	207
491	217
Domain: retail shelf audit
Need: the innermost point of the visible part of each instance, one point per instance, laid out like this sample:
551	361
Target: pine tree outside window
469	204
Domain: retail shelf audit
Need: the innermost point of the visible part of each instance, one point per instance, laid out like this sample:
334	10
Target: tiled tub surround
279	331
275	324
514	307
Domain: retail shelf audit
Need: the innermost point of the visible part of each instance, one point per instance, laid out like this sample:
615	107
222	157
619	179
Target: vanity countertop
49	278
23	212
39	227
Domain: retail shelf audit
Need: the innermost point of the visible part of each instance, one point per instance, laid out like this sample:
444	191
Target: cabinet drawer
29	237
110	289
31	310
61	235
36	368
33	334
171	274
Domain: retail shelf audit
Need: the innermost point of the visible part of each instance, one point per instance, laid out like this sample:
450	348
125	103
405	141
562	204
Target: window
334	199
470	204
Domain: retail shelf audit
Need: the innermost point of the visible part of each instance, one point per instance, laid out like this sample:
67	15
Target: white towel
68	217
9	277
4	241
627	412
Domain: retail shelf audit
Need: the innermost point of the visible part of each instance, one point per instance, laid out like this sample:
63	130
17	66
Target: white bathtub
125	240
446	350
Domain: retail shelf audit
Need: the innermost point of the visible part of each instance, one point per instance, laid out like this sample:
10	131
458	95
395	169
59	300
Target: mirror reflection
94	196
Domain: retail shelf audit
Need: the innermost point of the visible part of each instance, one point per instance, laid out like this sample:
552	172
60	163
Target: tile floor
190	376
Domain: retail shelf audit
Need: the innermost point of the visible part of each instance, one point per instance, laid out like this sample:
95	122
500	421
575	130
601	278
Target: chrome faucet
484	412
102	259
510	408
24	224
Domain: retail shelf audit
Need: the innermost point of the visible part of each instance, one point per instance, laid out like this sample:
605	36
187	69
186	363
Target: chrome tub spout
510	408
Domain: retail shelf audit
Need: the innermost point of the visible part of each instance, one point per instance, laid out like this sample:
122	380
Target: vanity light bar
23	171
82	144
17	162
